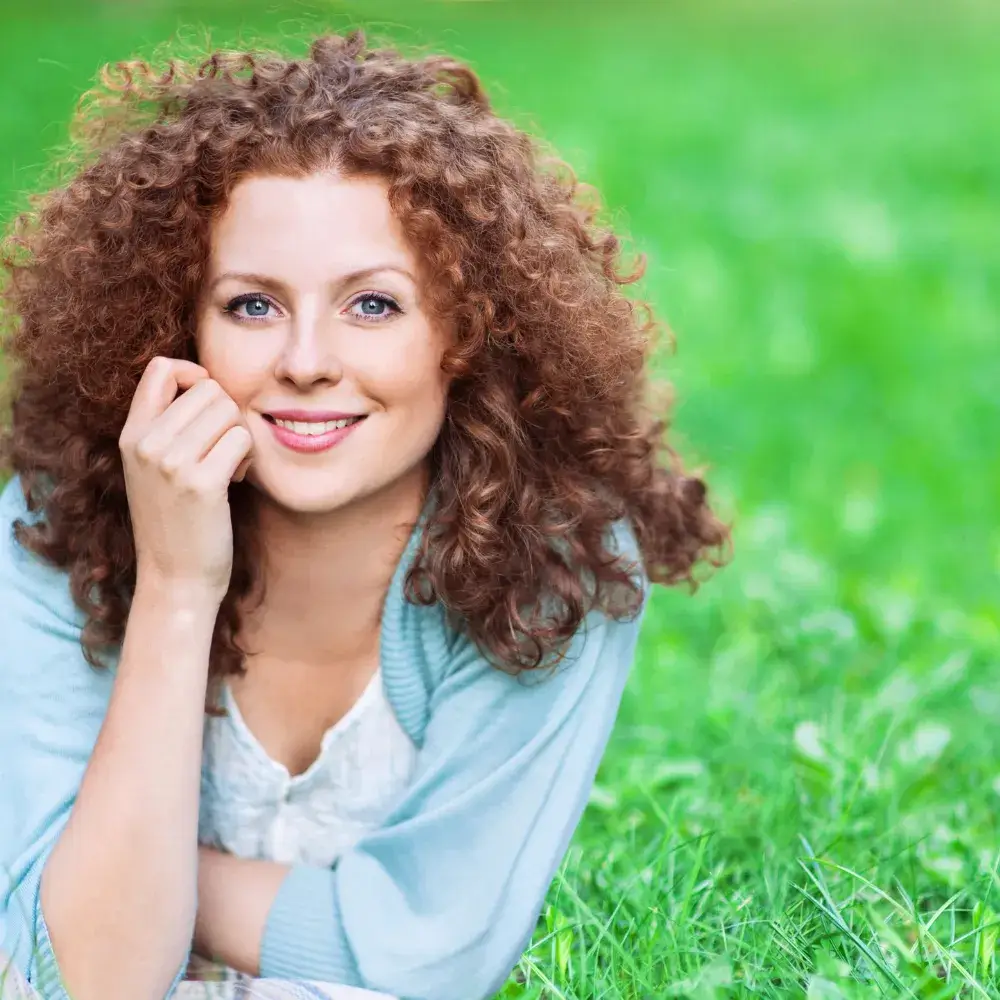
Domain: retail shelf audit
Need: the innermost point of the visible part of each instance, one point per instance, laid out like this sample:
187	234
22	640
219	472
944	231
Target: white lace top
253	808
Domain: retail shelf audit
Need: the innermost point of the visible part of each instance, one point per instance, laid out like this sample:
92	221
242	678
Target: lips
315	433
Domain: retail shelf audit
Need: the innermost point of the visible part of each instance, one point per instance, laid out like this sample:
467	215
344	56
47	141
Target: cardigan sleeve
52	706
441	901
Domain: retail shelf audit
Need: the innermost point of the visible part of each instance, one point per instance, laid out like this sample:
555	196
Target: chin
308	498
326	491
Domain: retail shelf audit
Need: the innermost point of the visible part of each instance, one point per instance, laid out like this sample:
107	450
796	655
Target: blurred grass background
802	793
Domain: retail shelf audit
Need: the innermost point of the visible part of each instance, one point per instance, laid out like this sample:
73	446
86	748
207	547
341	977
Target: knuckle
171	467
195	484
186	482
144	452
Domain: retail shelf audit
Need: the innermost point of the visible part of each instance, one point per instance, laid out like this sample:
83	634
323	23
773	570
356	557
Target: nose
308	355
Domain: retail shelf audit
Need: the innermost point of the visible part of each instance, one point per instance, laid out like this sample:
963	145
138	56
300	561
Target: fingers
157	389
160	433
197	437
222	463
177	434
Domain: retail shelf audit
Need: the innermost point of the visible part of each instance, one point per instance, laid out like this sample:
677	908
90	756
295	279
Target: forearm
119	891
234	898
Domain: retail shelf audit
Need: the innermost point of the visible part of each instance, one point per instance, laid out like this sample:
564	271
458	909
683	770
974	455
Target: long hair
551	434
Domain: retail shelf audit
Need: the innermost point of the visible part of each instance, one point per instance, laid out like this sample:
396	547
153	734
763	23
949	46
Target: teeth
314	429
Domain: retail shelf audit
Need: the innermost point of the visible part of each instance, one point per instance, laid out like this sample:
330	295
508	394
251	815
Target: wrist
191	599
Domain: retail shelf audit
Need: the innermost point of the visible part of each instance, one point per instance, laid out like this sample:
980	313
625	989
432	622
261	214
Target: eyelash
387	300
241	300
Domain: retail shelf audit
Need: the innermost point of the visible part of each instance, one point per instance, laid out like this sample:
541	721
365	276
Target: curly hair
551	433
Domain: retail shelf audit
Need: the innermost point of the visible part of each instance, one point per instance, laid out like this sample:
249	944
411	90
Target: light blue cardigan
438	903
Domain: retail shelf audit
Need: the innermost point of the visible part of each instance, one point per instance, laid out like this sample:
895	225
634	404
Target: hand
180	454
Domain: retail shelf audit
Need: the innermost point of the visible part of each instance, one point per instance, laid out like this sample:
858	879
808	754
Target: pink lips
310	443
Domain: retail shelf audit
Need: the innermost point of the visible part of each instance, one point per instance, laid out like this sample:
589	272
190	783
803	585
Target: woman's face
312	321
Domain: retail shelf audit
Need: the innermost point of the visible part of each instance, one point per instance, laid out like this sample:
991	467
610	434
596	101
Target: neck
326	575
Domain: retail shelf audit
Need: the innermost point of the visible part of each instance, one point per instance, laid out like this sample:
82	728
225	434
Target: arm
103	783
100	775
119	890
234	897
441	901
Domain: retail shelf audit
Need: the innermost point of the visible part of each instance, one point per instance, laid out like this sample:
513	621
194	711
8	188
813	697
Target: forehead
304	228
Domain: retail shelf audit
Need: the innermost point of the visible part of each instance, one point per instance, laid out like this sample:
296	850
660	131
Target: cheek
230	360
407	375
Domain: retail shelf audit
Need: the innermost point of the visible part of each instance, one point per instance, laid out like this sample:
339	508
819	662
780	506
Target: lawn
801	797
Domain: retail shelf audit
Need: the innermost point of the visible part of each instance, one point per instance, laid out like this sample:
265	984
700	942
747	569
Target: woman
328	416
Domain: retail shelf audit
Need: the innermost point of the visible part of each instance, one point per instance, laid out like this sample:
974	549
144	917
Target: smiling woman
330	441
313	297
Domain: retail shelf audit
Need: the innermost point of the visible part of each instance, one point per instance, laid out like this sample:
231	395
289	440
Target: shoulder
425	658
622	541
12	507
440	649
44	676
14	561
604	642
32	592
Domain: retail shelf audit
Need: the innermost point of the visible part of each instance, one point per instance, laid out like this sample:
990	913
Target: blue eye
255	307
374	306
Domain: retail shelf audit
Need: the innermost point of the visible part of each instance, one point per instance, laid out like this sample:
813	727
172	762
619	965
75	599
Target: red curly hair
549	436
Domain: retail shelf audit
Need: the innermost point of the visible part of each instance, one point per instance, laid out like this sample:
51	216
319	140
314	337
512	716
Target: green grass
801	798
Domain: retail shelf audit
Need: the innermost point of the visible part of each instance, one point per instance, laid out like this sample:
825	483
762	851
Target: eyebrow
350	278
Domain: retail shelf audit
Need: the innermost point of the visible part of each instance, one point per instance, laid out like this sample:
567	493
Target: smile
311	435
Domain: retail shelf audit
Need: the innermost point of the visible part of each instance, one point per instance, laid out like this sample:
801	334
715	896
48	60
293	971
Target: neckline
361	703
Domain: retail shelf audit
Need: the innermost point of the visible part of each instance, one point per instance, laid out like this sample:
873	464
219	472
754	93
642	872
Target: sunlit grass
801	796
